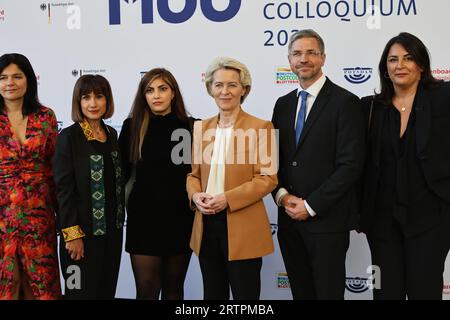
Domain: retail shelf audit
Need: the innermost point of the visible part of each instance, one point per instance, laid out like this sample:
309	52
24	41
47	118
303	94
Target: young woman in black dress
159	220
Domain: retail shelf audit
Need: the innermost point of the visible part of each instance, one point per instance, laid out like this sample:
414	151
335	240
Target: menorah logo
357	75
357	284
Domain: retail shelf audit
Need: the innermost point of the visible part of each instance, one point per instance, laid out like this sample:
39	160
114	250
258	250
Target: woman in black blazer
90	193
406	199
159	219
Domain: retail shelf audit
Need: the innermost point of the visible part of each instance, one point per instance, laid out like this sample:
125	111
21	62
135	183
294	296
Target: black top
393	149
159	220
407	180
402	187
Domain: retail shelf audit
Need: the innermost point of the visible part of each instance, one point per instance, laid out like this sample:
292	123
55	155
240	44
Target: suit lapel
376	131
423	119
208	126
234	146
319	105
291	114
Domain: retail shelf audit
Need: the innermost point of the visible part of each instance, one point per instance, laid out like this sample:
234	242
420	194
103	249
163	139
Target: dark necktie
301	116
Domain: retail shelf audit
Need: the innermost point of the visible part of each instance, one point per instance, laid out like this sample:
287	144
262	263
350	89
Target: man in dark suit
321	154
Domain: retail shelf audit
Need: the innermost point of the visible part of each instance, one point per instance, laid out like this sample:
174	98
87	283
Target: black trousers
95	276
411	267
315	262
219	274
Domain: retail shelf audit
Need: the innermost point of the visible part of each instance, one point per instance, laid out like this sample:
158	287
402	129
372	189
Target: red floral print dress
27	201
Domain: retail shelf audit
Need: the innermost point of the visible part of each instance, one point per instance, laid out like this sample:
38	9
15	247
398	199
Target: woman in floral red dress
28	259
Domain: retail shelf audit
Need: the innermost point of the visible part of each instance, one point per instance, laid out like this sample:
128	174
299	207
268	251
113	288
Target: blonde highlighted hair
233	64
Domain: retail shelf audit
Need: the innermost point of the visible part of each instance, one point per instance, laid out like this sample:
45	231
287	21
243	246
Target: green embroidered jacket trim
98	196
119	191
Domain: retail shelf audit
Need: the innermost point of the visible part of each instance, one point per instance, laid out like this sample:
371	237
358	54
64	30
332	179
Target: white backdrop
69	38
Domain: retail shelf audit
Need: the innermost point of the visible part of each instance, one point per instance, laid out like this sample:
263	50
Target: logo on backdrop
60	126
49	7
148	10
283	280
273	228
284	75
344	10
117	126
357	284
2	15
80	72
305	12
446	290
46	8
441	73
360	285
357	75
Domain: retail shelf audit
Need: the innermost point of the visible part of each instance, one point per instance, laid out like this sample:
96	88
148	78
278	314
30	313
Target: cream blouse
216	179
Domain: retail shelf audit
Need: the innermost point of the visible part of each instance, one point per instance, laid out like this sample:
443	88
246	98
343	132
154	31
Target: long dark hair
141	114
31	102
419	53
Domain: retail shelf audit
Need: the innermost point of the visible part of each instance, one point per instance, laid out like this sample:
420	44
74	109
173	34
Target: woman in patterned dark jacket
90	193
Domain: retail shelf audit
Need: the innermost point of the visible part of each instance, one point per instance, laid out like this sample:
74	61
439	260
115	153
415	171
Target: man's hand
295	207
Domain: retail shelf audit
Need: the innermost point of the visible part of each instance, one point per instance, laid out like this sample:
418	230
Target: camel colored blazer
246	184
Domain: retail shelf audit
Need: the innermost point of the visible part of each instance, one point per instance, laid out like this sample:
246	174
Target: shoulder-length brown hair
141	114
91	83
419	53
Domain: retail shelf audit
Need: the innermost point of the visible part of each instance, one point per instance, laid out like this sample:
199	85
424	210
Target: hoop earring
386	75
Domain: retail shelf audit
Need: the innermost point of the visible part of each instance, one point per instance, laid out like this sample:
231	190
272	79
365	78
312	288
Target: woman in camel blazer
233	169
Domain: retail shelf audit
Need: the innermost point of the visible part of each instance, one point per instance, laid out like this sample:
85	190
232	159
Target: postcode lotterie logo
283	280
284	75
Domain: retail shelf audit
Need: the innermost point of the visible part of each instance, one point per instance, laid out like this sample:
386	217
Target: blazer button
294	163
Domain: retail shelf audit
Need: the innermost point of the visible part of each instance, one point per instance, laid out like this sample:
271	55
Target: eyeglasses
307	54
